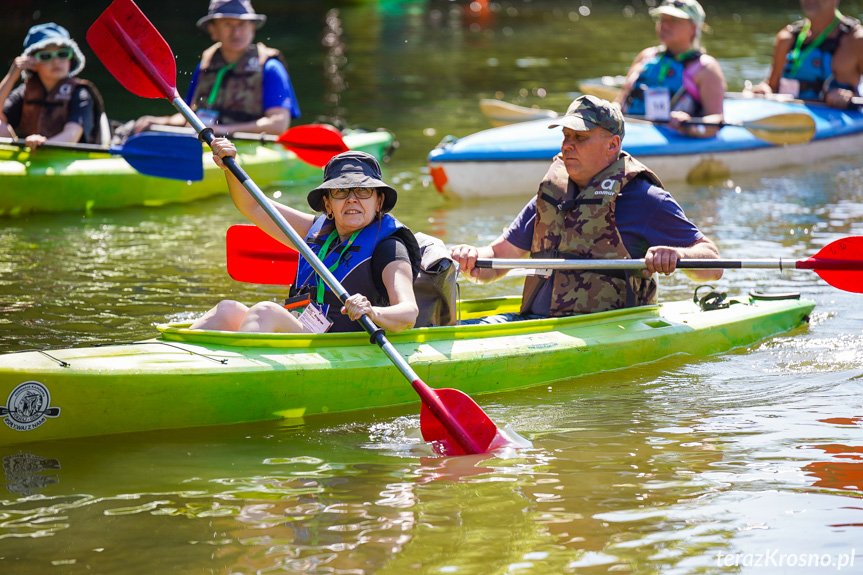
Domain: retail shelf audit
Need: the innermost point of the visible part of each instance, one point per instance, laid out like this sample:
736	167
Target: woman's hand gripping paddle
137	55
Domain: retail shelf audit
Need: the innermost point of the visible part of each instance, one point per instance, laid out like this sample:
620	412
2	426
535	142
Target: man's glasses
359	193
47	55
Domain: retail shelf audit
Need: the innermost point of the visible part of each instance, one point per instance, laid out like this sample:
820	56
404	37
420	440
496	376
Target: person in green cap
817	58
676	80
595	202
239	85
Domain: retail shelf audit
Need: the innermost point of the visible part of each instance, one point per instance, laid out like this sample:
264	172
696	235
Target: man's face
585	154
235	35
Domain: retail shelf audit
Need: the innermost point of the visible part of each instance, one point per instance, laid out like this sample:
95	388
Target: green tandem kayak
187	378
55	179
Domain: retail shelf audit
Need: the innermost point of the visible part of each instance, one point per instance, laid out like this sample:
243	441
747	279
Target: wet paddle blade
839	263
255	257
315	144
464	410
134	51
171	156
783	129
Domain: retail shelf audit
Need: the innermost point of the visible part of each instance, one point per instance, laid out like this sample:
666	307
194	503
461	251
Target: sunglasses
46	55
359	193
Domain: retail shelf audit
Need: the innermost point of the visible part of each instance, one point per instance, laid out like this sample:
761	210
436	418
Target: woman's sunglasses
46	55
359	193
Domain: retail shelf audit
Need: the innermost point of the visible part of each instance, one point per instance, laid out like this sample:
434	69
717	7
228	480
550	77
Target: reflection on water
657	468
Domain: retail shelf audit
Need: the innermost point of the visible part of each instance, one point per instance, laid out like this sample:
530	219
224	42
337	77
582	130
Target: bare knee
227	315
270	317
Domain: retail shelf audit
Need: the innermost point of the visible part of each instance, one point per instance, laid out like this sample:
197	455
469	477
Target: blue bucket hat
352	169
239	9
43	35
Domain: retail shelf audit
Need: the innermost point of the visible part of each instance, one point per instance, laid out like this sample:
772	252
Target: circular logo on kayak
28	407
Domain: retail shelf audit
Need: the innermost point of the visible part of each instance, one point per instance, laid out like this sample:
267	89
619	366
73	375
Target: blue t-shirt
278	91
646	216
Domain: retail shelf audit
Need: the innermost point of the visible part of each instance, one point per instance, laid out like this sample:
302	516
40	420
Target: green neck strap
665	63
796	56
319	296
214	93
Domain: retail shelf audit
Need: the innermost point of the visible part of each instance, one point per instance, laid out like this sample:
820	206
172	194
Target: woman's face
675	32
353	208
57	65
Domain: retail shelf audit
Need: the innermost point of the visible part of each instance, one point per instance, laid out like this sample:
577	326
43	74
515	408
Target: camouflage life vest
580	224
47	113
240	95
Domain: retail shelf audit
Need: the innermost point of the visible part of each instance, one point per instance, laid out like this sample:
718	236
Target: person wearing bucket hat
817	58
676	80
51	104
239	85
373	255
595	202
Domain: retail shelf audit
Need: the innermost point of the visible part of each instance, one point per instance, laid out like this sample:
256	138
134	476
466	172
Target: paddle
137	55
779	129
254	256
839	263
501	113
315	144
161	155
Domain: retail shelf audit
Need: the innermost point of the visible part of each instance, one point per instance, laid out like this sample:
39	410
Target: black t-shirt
81	111
388	250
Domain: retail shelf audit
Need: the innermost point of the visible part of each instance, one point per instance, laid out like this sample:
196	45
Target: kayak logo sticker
28	407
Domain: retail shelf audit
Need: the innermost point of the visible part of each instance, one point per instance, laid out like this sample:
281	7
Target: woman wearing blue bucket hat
373	255
52	104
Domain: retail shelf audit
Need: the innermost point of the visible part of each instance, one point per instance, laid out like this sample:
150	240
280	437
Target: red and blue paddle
132	49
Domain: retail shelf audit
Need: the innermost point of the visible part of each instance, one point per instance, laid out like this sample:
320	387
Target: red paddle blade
315	144
133	51
839	263
255	257
464	410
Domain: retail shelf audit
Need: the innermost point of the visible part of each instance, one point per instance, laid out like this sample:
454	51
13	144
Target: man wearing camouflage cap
595	202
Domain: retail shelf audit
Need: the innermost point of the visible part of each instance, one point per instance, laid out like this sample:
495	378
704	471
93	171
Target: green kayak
52	179
187	378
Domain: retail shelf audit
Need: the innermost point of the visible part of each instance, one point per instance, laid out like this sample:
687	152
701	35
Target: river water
746	462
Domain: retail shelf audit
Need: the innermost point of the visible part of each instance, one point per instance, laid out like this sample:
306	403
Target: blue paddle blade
173	156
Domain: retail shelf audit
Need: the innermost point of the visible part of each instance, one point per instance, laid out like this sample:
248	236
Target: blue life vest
665	71
814	68
354	266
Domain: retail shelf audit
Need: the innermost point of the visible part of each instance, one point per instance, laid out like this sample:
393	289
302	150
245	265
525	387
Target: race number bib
657	104
789	86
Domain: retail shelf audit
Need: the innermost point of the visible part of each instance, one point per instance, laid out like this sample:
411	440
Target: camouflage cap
589	112
685	9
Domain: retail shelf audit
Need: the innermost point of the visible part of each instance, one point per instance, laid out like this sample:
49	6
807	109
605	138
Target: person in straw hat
51	104
373	255
676	80
239	85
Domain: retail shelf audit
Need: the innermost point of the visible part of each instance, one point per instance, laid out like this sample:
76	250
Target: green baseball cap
589	112
685	9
